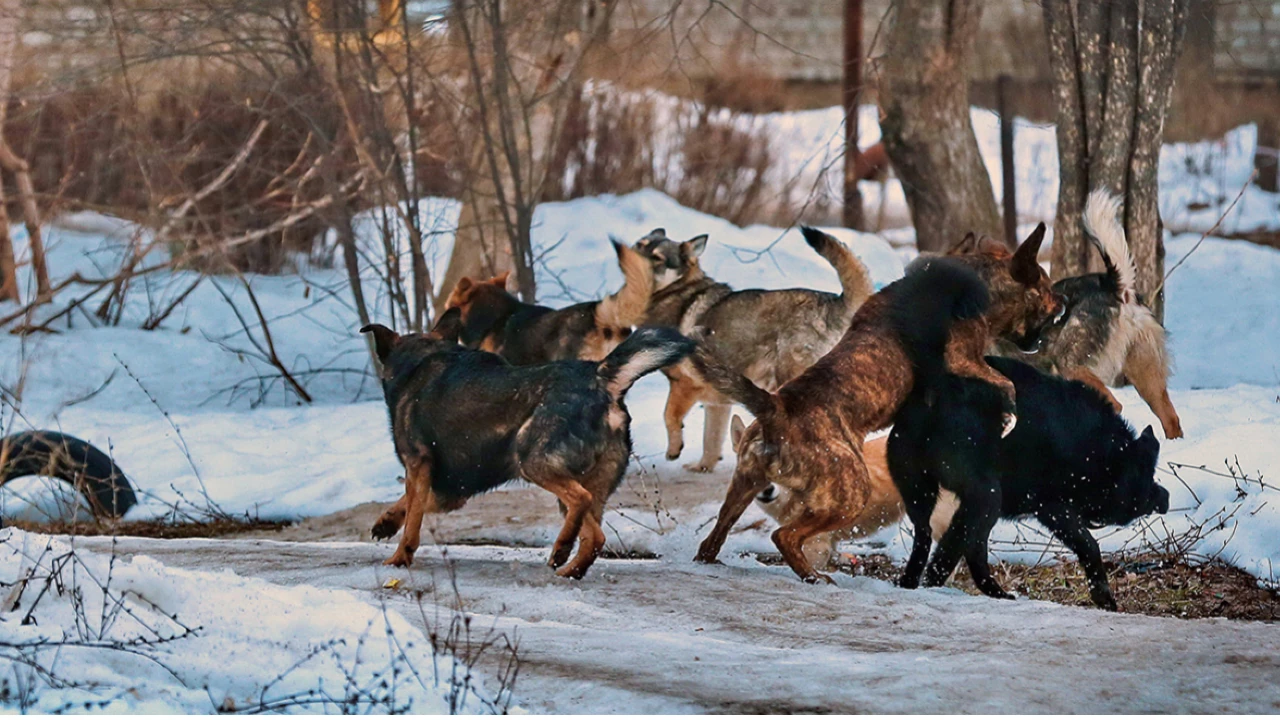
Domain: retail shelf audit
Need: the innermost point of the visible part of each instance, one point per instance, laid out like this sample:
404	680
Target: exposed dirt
222	527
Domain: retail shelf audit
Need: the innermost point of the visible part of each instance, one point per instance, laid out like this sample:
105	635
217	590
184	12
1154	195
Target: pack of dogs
992	381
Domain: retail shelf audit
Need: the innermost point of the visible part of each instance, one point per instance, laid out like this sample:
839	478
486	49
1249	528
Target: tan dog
526	334
883	509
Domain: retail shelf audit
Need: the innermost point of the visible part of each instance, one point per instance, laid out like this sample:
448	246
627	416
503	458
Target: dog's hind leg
716	422
742	492
577	502
919	507
590	543
1073	533
417	495
1147	368
681	398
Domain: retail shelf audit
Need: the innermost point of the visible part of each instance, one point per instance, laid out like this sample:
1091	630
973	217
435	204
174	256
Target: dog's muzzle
767	495
1161	500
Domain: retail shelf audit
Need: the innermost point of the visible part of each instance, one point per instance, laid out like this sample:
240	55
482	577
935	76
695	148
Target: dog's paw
401	558
1173	430
707	556
702	466
1010	422
818	577
559	555
674	449
576	571
1105	600
385	528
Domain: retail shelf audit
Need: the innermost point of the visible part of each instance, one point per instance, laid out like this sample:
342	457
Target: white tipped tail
1102	222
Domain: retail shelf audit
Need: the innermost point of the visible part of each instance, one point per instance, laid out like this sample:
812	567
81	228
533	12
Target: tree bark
1113	72
926	125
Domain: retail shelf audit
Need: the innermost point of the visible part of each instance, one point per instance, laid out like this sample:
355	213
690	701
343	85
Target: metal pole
1006	161
852	86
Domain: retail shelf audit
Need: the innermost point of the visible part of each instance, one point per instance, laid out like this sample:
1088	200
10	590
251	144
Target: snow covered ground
138	636
198	420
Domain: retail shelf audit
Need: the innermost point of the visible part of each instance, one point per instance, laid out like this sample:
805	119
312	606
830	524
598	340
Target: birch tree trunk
926	124
1113	70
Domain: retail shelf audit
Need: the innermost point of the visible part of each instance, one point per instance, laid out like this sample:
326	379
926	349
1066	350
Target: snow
671	636
140	636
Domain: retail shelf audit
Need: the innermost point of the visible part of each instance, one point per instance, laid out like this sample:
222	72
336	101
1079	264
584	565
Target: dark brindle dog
464	422
808	437
526	334
1072	463
770	336
1107	333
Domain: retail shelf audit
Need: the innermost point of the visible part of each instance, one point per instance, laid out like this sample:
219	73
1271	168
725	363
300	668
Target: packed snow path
654	636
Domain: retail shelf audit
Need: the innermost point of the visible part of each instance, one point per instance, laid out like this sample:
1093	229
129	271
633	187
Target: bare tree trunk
1112	86
9	17
1164	23
927	127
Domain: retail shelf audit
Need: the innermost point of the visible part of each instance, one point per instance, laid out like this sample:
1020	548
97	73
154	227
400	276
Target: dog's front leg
1072	532
715	423
392	519
742	490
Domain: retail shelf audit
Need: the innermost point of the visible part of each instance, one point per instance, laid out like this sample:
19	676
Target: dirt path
662	636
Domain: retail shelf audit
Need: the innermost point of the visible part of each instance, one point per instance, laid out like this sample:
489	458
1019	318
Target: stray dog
464	422
770	336
883	508
1107	333
1072	463
808	437
1021	294
525	334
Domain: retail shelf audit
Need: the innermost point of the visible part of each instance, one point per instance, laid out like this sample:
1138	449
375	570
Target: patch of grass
1143	585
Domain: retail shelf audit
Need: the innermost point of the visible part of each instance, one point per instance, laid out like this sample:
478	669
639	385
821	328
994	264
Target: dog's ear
968	245
449	326
384	339
736	429
693	247
500	280
1148	439
1025	266
460	291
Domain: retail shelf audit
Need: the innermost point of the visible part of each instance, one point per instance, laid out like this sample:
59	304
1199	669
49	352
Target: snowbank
86	630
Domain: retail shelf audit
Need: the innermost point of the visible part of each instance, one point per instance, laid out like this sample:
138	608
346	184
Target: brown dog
525	334
809	436
883	509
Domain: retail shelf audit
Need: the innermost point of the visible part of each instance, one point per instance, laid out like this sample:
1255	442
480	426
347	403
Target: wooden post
852	87
1009	182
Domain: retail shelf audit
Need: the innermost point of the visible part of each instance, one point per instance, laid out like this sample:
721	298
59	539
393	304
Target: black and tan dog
1108	334
465	422
770	336
526	334
1072	463
809	435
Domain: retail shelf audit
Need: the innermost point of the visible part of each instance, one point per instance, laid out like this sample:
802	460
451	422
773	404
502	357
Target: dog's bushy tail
731	384
935	293
1102	223
647	349
855	280
628	306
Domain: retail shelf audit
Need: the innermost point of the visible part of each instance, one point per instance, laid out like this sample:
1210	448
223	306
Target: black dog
1071	462
464	422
